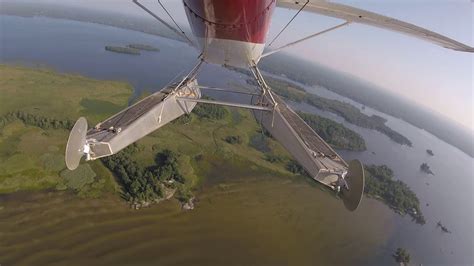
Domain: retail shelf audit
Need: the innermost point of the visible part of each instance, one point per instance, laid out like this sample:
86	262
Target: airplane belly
230	32
230	52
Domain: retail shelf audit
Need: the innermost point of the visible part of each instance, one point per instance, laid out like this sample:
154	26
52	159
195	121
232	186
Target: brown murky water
249	220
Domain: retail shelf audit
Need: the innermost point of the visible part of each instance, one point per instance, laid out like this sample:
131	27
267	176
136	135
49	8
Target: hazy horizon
436	78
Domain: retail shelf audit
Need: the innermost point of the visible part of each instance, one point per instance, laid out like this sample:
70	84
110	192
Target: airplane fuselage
230	32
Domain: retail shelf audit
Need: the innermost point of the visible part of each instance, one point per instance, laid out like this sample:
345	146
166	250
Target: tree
144	183
401	256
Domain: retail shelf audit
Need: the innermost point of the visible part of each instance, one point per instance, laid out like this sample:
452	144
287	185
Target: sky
437	78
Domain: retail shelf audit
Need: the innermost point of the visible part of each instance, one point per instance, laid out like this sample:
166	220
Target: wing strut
356	15
174	21
288	24
181	34
240	105
305	39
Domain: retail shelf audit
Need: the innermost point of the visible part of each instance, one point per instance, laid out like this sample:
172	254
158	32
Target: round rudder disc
355	179
76	143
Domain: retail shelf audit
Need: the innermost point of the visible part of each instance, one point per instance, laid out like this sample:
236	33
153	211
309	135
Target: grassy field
31	158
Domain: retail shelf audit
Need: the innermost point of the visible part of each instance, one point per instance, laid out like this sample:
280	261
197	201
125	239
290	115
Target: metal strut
288	24
192	74
240	105
181	34
227	90
304	39
175	23
262	84
264	87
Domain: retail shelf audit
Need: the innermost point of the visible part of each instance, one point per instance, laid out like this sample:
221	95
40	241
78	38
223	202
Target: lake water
268	218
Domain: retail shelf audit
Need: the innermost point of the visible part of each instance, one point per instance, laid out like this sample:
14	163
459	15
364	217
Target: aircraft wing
357	15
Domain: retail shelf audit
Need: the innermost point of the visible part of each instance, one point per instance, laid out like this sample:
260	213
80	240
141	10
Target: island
122	50
401	256
296	93
144	47
335	134
430	152
443	228
425	168
350	113
380	184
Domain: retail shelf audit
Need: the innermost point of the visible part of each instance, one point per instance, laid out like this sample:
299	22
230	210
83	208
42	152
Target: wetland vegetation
34	129
171	161
36	112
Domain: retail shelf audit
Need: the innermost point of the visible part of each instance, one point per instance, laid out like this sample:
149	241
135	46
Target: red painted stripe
240	20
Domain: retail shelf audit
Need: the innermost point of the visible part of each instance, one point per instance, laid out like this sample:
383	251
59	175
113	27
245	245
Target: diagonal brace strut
304	39
181	34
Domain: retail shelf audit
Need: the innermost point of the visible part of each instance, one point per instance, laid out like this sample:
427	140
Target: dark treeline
210	111
334	133
35	120
294	167
183	120
142	184
203	110
379	183
354	116
274	158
